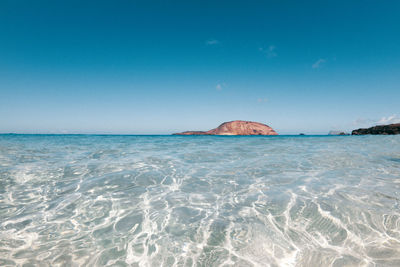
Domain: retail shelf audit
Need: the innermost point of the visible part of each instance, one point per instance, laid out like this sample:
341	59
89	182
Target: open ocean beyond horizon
104	200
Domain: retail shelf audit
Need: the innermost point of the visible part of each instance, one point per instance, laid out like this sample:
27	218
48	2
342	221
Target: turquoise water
77	200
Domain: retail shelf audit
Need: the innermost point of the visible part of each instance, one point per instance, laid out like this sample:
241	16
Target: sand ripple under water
199	201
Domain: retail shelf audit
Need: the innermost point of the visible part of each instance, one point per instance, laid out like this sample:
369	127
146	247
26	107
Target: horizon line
121	134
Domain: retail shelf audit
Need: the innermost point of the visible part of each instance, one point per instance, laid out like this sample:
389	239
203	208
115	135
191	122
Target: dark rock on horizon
235	128
379	129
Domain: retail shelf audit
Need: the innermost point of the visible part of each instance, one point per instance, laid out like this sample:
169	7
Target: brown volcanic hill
236	128
380	129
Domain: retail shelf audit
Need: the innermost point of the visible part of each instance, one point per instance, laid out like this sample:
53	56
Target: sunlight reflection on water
199	201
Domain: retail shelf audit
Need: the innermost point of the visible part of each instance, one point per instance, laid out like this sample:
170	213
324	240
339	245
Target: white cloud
220	86
318	63
212	42
389	120
262	100
365	123
270	52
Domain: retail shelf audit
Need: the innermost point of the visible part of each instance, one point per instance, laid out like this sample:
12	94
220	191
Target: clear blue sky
158	67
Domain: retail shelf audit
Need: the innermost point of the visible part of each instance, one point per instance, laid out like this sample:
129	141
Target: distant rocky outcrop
337	133
236	128
379	129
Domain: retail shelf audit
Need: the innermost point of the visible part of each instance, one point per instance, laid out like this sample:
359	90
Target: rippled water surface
199	201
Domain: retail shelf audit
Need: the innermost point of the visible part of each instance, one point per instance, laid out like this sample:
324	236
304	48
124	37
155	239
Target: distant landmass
337	133
236	128
380	129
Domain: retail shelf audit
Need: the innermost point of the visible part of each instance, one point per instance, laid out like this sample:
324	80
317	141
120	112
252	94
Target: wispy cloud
363	122
318	63
212	42
389	120
270	51
262	100
220	86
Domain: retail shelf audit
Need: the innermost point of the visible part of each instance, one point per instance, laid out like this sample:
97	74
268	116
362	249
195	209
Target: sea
109	200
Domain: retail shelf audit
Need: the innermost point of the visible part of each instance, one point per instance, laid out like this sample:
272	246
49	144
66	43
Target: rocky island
236	128
380	129
337	133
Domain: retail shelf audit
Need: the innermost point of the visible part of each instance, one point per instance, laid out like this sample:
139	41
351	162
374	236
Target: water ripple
199	201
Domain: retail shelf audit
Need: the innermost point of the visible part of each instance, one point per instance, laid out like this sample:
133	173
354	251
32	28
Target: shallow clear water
199	201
